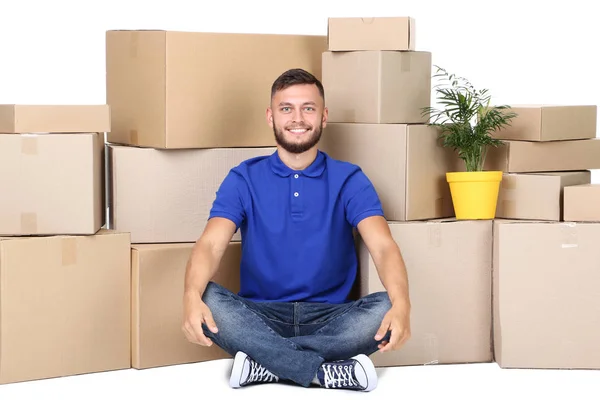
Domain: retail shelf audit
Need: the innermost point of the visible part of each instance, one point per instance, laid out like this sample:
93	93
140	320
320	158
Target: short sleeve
360	198
228	202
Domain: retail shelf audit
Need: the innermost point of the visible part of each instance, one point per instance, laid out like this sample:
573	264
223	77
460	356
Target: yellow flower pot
474	194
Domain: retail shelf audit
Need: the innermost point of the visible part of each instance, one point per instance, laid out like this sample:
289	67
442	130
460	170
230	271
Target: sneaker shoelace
339	376
258	373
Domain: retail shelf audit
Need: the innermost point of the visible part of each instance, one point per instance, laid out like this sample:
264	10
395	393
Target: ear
270	116
325	116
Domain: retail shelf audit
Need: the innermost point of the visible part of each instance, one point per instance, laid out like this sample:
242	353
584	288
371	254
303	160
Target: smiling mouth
298	131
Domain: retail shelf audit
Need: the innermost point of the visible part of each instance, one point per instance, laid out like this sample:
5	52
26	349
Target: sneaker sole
370	371
236	371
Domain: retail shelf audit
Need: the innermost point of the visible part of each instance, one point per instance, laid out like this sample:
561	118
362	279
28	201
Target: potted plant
467	122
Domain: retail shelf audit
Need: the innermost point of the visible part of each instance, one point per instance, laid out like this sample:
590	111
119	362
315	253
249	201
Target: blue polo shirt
296	226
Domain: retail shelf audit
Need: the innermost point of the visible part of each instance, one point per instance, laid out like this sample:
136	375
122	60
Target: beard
296	148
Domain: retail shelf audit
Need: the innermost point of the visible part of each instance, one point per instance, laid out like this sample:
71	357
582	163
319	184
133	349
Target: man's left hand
396	320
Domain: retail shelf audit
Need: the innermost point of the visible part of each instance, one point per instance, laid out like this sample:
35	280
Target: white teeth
297	130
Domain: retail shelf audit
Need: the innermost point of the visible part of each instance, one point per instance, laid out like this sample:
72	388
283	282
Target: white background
543	52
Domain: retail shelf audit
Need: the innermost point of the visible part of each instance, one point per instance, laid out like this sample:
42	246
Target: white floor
210	380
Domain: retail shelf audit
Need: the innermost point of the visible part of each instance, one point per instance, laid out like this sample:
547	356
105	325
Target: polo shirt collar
315	169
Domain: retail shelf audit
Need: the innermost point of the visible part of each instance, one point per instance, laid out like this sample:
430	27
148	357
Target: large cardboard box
536	196
546	123
546	295
64	305
450	277
406	164
582	202
52	184
375	33
198	89
165	195
377	86
158	272
561	155
30	118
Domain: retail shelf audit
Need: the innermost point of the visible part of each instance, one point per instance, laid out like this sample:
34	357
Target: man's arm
391	269
226	215
206	254
387	257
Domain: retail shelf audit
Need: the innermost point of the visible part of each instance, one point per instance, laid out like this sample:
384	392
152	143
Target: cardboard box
199	90
405	163
536	196
546	294
52	184
377	86
64	305
165	195
29	118
450	277
158	272
582	202
379	33
564	155
547	123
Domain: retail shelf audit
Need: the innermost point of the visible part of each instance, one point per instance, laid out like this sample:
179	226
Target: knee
378	302
213	294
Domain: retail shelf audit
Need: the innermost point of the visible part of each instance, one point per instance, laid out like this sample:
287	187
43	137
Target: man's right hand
196	312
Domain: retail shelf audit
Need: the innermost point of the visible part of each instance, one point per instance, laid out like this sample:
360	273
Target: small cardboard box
377	87
561	155
378	33
547	123
52	184
536	196
582	203
29	118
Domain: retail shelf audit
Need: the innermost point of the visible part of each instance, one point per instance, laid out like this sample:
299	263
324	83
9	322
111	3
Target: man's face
297	116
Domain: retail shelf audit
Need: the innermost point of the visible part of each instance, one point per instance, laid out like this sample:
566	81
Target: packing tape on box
434	234
568	232
405	64
133	44
439	206
133	136
431	348
69	251
368	20
29	145
28	223
509	207
508	182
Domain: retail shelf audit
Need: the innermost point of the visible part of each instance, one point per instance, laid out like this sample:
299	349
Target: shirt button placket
296	193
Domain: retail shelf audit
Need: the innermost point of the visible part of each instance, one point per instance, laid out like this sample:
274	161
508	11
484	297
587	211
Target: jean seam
259	315
333	319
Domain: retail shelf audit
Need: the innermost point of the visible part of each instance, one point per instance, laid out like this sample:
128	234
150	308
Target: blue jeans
293	339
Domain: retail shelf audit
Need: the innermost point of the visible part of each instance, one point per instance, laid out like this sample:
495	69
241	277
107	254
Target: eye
310	109
285	109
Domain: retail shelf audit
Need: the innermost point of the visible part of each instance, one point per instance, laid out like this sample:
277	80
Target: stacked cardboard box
65	294
376	86
187	107
544	263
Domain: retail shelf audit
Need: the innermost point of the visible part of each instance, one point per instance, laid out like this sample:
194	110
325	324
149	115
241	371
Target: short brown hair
296	76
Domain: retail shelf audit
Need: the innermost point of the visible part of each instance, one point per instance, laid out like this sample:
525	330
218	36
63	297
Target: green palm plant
467	120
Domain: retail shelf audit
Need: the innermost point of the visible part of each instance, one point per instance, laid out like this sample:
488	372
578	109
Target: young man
292	319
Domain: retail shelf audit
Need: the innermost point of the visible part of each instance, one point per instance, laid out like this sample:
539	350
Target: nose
297	116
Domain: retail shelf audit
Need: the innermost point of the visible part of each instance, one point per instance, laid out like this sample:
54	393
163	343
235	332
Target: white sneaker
246	371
